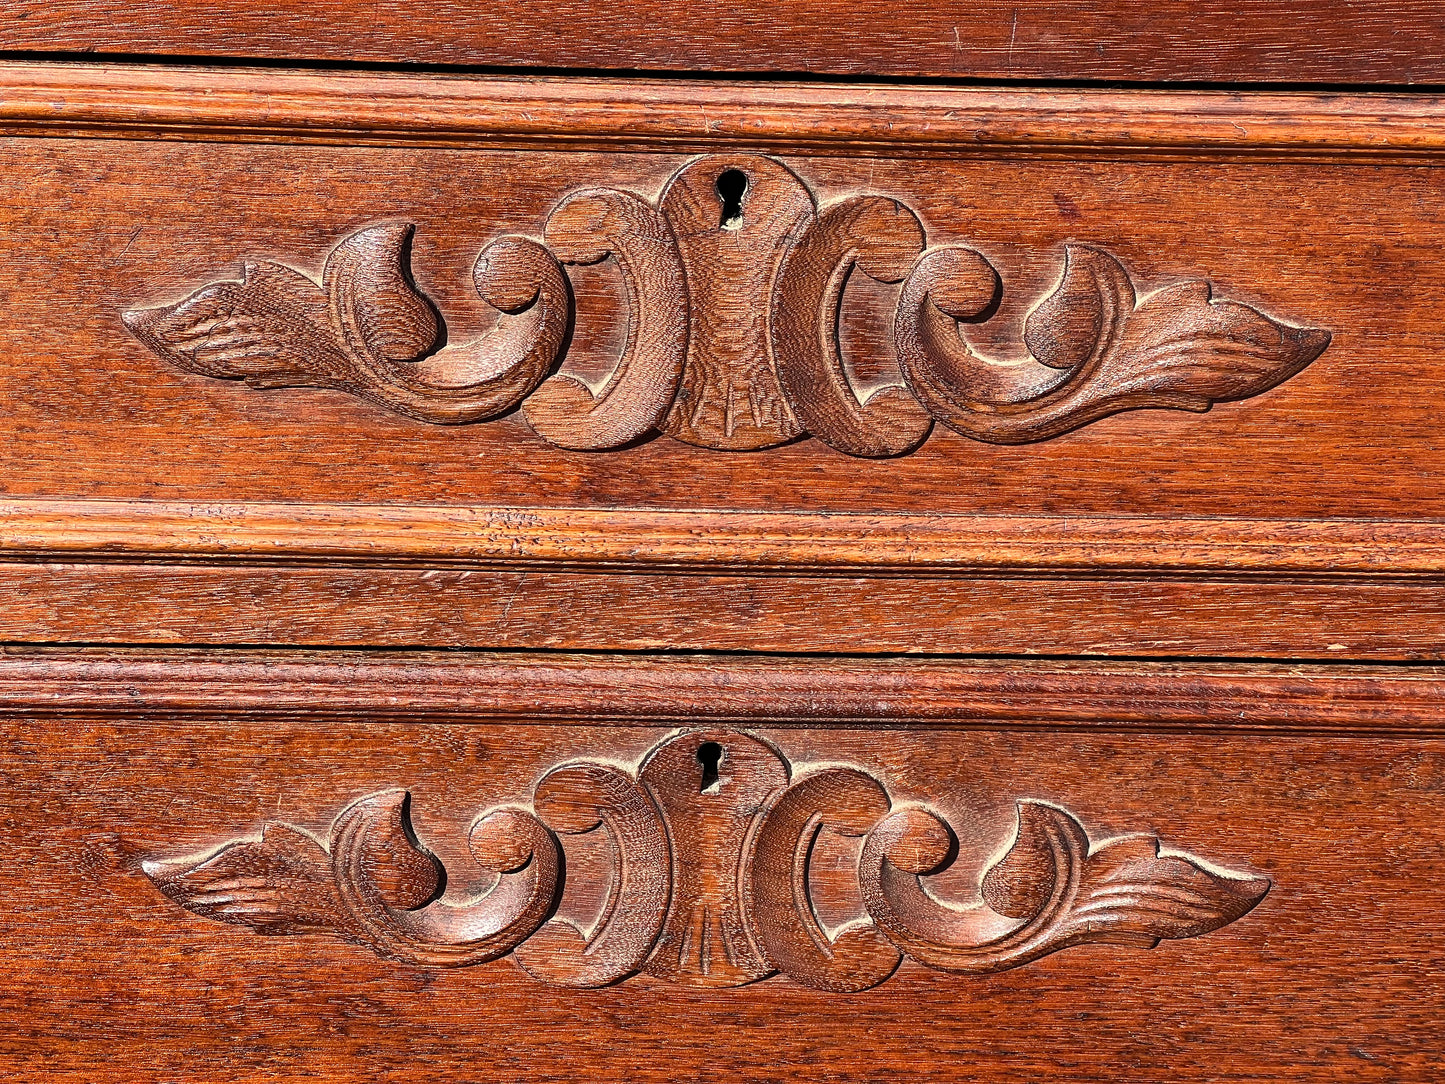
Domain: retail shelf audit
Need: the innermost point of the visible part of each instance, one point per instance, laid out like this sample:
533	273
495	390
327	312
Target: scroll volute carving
1058	889
587	227
735	280
578	798
712	839
368	331
372	884
1093	348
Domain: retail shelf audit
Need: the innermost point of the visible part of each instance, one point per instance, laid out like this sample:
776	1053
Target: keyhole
731	185
709	755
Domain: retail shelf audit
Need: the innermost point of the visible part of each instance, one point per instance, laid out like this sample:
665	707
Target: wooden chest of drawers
580	543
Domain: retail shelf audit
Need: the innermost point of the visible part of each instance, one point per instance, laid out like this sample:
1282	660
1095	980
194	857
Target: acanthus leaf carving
730	397
1050	891
733	318
1094	349
712	838
368	331
279	883
375	885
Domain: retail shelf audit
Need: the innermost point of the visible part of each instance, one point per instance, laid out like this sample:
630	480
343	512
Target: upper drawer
752	367
1393	42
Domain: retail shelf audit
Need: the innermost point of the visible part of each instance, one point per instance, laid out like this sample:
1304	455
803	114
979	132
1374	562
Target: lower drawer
204	883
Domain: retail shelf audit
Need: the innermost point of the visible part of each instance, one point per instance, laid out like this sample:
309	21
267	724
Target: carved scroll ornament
734	279
712	840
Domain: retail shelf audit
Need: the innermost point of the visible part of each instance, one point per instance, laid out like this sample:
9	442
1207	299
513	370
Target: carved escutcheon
729	396
711	786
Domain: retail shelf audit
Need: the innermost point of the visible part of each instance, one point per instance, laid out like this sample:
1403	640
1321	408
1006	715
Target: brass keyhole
710	755
732	185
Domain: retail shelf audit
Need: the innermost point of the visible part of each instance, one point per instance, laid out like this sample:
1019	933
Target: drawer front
1390	42
528	363
259	866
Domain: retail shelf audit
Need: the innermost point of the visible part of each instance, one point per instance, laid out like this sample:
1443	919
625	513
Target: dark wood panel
1322	41
1335	971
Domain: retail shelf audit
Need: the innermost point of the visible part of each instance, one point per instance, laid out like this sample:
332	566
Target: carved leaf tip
280	883
1127	889
1131	887
268	329
1095	348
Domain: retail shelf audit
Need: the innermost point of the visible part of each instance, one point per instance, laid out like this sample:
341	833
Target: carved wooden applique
712	838
734	280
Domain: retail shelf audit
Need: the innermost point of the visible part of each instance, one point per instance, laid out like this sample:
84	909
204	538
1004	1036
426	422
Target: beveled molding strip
701	540
749	690
132	101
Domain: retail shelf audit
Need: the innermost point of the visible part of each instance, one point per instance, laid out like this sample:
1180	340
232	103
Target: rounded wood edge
237	104
752	690
657	540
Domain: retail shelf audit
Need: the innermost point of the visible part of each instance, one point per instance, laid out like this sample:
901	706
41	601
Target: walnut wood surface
524	375
1129	535
733	309
745	690
1336	969
391	109
712	880
1319	41
1303	450
409	608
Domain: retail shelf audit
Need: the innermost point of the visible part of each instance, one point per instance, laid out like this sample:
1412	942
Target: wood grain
1316	447
588	113
1010	615
734	300
657	540
711	881
746	690
701	749
1320	41
1343	828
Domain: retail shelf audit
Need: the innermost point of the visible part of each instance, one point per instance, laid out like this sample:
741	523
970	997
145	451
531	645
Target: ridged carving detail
712	839
734	280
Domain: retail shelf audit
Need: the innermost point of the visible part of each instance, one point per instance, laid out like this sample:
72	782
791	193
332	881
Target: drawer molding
735	281
712	835
187	687
126	101
248	533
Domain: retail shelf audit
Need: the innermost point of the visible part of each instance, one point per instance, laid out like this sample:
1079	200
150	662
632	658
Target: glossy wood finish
745	690
1343	828
1296	523
394	109
310	369
1316	41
